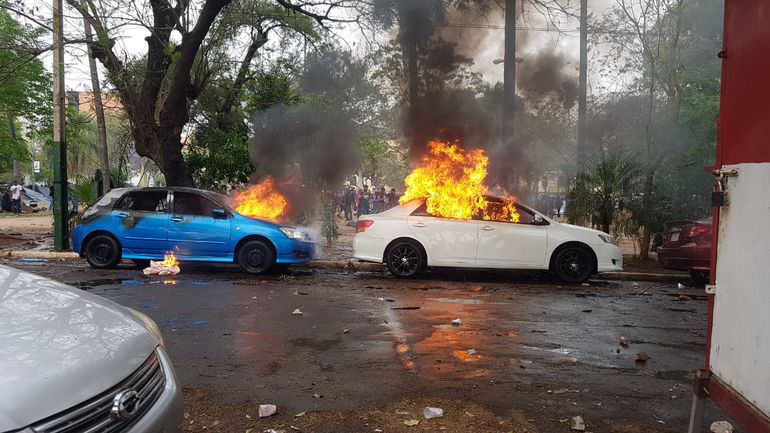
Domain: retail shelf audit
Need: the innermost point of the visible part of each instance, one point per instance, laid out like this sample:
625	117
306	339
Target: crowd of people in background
354	202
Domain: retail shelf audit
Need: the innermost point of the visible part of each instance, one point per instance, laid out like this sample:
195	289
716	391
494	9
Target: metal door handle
177	219
487	228
419	225
122	215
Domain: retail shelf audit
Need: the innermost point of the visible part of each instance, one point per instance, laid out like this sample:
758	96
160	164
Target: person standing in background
16	197
364	202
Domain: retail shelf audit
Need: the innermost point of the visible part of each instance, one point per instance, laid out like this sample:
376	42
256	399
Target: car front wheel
573	265
405	259
103	252
256	257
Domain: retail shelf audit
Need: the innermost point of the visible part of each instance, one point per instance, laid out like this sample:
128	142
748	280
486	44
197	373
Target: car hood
60	347
584	230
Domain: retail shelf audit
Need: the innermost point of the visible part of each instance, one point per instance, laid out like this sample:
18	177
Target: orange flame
261	200
451	181
169	260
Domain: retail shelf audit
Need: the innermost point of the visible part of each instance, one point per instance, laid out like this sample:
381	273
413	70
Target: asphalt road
369	351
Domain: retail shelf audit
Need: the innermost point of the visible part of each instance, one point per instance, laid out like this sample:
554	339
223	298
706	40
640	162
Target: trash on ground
432	412
317	395
297	312
680	285
297	292
587	310
578	424
402	412
31	260
411	422
684	297
266	410
169	266
346	331
585	284
405	308
457	322
623	341
721	427
641	357
297	415
471	352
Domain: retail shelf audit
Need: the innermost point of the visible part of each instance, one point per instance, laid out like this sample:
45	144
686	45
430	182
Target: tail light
696	231
363	225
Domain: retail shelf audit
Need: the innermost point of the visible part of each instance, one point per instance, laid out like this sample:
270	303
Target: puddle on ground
457	301
108	281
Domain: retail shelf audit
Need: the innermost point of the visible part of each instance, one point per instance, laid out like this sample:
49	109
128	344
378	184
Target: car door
448	241
140	222
513	245
195	230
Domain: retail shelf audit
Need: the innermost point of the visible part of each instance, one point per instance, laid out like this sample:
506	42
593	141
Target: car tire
103	252
699	277
573	265
256	257
141	263
405	259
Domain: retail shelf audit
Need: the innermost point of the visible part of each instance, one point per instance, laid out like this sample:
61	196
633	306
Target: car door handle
487	228
121	215
419	225
177	219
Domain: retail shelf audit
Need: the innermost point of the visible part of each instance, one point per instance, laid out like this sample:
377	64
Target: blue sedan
198	226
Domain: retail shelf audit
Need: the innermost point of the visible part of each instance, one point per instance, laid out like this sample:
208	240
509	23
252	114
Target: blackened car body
142	224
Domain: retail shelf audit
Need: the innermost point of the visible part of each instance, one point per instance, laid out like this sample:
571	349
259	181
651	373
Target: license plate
674	237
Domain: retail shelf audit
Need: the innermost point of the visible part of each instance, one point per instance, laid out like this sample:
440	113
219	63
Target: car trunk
678	233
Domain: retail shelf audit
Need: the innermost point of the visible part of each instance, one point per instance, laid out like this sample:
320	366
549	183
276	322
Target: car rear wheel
103	252
700	278
573	265
256	257
405	259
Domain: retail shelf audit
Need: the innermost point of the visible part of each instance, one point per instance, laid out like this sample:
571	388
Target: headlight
607	238
149	324
292	233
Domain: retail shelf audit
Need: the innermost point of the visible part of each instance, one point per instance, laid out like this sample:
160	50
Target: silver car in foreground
72	362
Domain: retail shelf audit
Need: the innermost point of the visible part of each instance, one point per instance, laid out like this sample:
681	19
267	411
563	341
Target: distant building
85	102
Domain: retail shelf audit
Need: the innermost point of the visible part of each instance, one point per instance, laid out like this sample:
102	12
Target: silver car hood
60	346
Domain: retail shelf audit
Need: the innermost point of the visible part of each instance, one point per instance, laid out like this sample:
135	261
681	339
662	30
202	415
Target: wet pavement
370	350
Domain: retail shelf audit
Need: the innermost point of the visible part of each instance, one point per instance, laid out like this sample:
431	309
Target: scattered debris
471	352
641	357
297	415
680	285
684	297
346	331
317	395
635	284
432	412
158	268
721	427
585	284
402	412
457	322
405	308
297	312
31	260
587	310
266	410
411	422
286	278
623	341
578	424
381	299
297	292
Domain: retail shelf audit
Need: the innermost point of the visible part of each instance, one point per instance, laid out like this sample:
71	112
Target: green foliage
381	160
84	190
216	156
600	192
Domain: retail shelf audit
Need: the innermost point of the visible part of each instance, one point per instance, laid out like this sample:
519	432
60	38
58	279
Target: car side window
422	211
497	212
186	203
144	201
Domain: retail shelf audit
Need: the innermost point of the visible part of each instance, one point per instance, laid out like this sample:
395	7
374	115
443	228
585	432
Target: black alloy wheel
256	257
573	265
103	252
405	259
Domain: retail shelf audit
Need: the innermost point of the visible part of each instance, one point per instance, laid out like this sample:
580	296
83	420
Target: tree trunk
241	78
417	139
101	127
644	242
507	138
582	144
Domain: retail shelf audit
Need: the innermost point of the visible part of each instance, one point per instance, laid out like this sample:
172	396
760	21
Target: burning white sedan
407	238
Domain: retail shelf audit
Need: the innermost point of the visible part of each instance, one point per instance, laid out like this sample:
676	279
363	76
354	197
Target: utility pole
60	186
509	75
582	145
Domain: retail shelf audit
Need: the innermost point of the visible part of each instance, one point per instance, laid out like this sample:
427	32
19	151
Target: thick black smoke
548	76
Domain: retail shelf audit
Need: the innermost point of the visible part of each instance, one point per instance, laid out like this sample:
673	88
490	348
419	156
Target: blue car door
195	229
140	222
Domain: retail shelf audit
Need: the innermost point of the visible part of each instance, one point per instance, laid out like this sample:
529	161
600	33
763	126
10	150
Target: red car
687	247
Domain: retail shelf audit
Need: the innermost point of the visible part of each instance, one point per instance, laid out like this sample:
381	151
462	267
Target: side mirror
219	213
539	220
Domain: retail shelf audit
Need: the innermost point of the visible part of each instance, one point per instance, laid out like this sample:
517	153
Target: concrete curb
37	254
351	265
